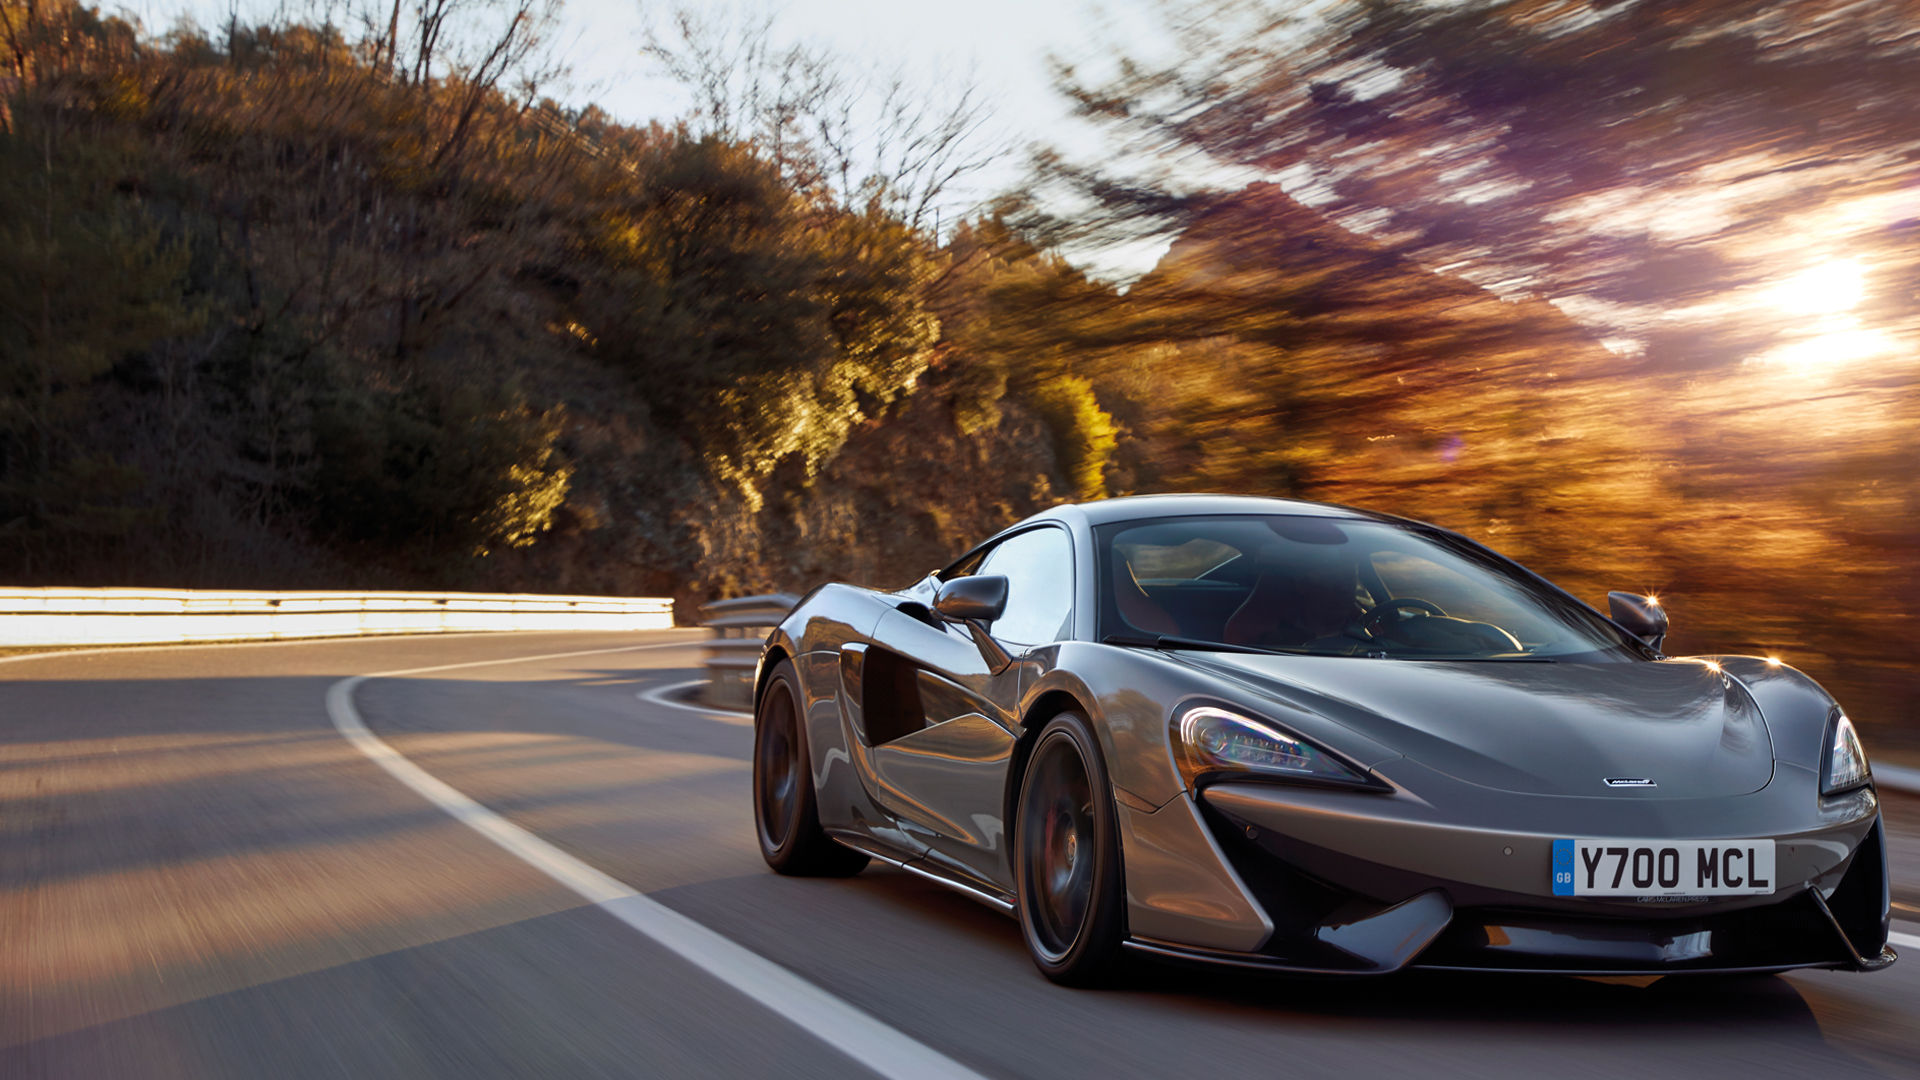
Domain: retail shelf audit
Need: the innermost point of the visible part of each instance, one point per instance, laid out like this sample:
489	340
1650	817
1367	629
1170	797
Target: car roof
1134	507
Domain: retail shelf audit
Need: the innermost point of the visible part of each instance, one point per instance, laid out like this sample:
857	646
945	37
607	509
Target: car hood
1541	728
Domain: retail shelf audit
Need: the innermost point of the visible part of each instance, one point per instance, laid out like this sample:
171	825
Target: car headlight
1215	743
1846	764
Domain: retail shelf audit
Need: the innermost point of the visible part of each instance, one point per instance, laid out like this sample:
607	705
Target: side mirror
972	599
1642	616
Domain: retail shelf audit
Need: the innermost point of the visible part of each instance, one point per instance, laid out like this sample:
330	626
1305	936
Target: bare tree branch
864	139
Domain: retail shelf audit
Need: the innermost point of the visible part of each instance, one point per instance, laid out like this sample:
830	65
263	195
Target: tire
1067	858
785	815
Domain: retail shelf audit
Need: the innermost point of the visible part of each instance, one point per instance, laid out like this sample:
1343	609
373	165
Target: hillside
277	318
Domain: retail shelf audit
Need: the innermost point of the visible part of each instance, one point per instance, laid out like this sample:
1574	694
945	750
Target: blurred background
479	294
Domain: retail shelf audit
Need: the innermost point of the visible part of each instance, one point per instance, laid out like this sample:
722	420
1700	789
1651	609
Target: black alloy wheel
785	815
1067	857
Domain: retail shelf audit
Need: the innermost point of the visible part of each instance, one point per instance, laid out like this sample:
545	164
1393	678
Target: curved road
202	877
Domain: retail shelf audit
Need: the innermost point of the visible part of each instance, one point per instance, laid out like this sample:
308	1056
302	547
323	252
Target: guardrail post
740	627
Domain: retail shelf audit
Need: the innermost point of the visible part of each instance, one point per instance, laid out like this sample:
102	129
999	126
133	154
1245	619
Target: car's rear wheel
1067	857
785	814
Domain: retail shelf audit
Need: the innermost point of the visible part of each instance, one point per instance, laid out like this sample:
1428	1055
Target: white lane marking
828	1018
81	652
1905	941
658	696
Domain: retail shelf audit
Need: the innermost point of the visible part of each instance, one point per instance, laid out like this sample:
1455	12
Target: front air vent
890	697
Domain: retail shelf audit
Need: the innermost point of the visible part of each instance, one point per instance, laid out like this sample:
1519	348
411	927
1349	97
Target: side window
966	567
1038	566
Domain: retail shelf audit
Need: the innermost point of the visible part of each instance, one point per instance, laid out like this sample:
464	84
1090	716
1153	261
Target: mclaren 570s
1299	737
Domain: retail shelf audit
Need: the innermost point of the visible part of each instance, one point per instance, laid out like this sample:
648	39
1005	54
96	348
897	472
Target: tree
1084	434
85	279
760	322
865	139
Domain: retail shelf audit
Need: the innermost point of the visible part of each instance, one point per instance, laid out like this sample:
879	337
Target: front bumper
1435	894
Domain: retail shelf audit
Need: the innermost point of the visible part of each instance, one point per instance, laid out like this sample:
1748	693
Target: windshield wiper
1172	641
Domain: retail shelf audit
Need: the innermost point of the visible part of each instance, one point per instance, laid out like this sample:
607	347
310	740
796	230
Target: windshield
1336	587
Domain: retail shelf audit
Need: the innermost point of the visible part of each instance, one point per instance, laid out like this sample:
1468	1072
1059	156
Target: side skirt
996	900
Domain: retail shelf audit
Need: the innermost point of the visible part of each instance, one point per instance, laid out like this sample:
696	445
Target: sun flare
1832	349
1827	288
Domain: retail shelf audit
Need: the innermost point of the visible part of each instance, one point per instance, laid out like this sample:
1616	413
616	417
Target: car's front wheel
785	815
1067	857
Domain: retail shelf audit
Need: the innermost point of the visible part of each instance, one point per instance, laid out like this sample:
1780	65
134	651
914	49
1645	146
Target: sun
1827	288
1823	332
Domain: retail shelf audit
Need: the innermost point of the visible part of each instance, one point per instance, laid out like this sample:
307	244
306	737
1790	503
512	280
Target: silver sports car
1301	737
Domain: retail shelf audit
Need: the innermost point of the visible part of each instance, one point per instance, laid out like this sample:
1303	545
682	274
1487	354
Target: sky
1005	41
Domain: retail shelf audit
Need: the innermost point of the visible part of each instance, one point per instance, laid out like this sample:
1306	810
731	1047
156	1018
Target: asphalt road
201	877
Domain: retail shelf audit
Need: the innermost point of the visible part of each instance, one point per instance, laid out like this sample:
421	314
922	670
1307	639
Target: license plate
1662	867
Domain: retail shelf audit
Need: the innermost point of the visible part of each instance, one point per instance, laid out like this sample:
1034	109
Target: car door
939	707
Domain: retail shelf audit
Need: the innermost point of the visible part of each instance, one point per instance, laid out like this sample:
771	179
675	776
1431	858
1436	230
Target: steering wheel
1370	619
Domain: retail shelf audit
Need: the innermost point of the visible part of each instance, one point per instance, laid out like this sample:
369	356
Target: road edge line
839	1024
658	696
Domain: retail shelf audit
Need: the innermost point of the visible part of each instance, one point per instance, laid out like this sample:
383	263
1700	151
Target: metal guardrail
1894	777
740	627
43	617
